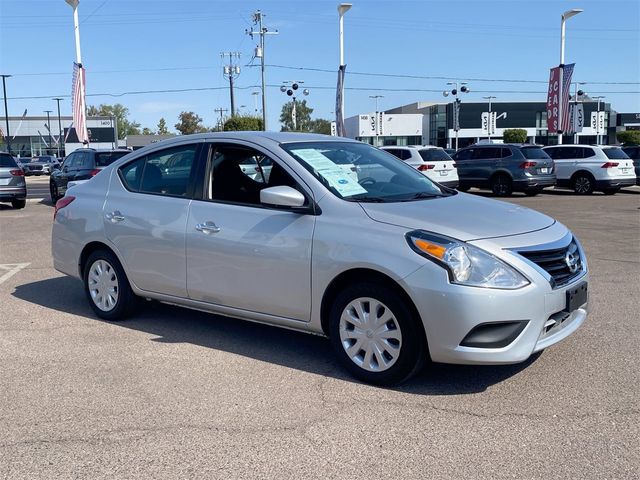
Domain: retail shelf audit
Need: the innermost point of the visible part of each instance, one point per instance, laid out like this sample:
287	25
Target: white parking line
10	270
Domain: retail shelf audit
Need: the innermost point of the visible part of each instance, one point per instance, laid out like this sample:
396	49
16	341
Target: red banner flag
553	100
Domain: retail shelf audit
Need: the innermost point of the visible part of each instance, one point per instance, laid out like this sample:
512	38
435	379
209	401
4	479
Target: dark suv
505	168
633	152
81	165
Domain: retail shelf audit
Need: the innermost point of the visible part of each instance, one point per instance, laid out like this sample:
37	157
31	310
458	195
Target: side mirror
282	196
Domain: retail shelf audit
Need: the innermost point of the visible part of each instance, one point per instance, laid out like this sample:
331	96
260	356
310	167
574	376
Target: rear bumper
615	183
534	182
450	183
13	193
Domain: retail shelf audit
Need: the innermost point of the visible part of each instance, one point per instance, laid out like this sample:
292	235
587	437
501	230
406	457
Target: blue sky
141	45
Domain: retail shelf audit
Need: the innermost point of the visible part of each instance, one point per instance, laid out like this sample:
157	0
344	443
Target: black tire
464	188
502	185
532	192
610	191
583	183
18	203
53	191
413	349
126	302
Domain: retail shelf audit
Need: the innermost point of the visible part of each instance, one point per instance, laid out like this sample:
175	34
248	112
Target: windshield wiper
368	199
421	195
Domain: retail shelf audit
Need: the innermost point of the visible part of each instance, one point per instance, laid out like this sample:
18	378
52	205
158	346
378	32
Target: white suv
433	162
585	168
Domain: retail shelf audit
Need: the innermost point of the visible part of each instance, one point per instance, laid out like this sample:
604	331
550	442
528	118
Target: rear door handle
207	227
115	216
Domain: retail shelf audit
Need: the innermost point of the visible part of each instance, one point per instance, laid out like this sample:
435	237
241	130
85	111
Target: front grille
35	167
562	264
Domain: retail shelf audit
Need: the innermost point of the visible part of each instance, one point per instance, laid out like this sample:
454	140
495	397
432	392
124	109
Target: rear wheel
501	185
18	203
583	184
107	288
375	336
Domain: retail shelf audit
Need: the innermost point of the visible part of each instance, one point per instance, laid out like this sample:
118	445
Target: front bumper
450	312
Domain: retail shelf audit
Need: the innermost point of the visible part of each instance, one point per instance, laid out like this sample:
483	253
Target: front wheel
53	191
107	288
375	336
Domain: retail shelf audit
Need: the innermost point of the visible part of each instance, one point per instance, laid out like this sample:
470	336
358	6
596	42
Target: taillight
426	166
94	172
528	164
63	202
610	164
17	172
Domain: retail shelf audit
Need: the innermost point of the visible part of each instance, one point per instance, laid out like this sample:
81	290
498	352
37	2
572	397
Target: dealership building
31	136
430	123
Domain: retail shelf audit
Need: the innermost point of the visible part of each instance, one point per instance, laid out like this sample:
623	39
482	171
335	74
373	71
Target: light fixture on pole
291	92
565	16
6	112
456	104
58	100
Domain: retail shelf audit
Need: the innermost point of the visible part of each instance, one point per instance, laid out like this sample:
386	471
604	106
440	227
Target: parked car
42	165
450	151
505	168
12	185
585	168
80	166
391	266
633	152
433	162
21	161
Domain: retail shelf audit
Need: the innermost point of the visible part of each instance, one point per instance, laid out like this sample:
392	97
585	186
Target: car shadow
310	353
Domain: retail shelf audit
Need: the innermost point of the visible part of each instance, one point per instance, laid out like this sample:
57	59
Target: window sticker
337	176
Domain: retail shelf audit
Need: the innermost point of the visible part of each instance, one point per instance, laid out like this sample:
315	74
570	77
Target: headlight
466	264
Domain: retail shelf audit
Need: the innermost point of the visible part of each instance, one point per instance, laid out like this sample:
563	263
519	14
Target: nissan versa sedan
393	268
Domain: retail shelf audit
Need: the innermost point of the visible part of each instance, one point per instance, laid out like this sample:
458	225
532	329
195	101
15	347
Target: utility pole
49	112
259	53
6	112
231	72
59	126
221	111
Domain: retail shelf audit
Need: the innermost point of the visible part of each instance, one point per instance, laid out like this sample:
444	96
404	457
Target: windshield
434	154
535	153
615	153
359	172
104	159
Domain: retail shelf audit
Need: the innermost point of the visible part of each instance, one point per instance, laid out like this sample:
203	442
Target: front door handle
115	216
207	227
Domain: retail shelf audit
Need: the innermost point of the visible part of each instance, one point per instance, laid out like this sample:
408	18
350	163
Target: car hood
461	216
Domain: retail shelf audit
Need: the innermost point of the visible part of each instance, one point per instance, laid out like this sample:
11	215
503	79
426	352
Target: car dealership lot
178	393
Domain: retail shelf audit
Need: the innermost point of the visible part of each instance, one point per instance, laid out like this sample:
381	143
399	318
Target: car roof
421	147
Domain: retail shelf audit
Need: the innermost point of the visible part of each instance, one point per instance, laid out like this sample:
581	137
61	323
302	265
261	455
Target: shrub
514	135
243	123
629	137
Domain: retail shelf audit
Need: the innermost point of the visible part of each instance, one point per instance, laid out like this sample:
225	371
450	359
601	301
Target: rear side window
534	153
104	159
131	174
615	153
7	161
487	153
505	152
586	152
434	155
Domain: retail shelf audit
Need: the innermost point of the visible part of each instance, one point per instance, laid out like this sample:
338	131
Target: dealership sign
559	84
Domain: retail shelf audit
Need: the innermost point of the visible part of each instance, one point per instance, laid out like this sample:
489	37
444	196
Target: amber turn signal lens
437	251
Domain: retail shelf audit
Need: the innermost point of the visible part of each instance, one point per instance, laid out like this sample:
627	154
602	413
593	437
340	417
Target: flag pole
76	29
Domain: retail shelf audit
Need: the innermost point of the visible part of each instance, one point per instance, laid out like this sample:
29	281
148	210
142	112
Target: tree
629	137
162	127
514	135
243	123
320	125
190	123
125	126
303	117
147	131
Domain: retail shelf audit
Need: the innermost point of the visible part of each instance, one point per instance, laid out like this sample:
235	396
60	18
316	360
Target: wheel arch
88	249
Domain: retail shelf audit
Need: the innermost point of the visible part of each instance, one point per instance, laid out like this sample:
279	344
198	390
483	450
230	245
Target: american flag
567	72
78	103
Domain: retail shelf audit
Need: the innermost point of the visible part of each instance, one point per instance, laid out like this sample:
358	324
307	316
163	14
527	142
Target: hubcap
103	285
582	184
370	334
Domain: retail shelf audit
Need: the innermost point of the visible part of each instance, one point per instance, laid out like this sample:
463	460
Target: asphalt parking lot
174	393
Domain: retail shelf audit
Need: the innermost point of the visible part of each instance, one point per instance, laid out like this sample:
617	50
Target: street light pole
456	104
57	99
565	16
48	112
342	9
489	120
6	112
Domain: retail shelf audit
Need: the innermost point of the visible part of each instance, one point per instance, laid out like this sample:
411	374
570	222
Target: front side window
238	174
463	154
358	172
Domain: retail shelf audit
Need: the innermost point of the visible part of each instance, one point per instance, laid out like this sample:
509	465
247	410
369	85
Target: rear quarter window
131	174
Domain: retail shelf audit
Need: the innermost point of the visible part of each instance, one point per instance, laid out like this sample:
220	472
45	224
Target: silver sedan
393	268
